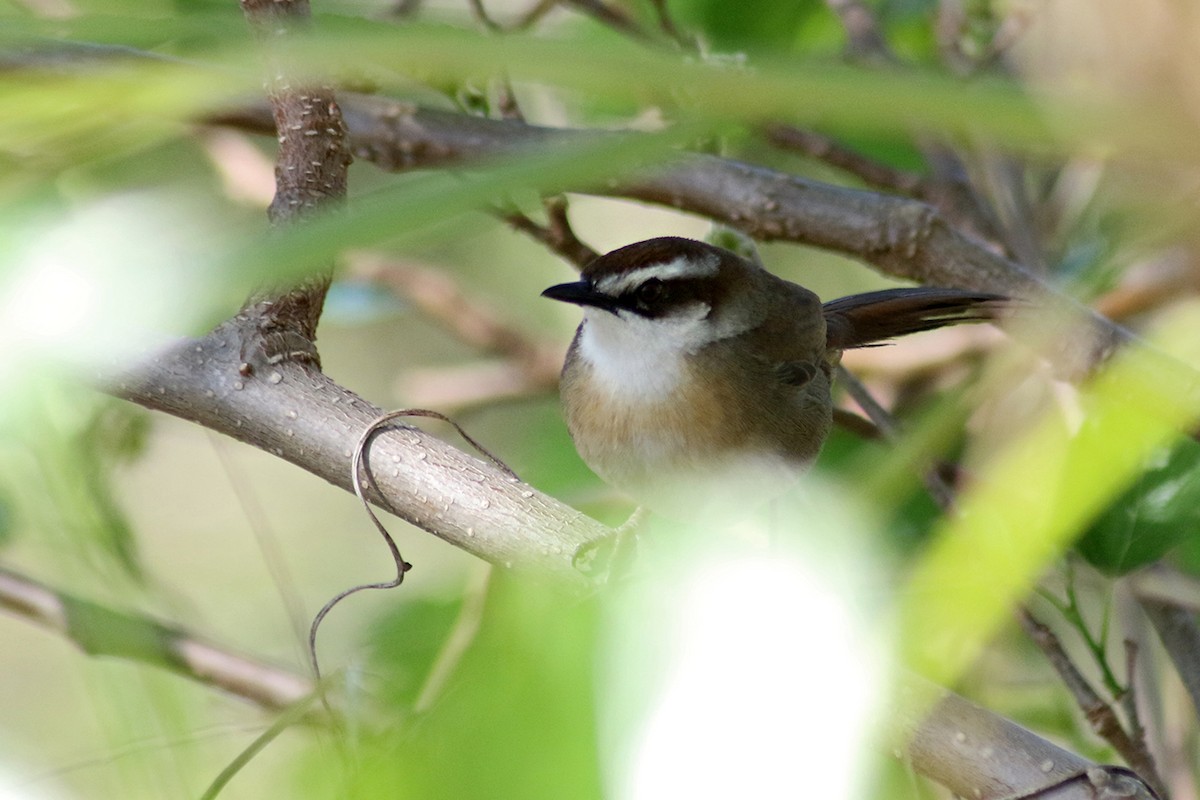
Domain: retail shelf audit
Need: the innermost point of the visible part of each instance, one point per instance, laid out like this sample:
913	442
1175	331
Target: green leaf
1160	510
405	644
516	718
748	25
58	448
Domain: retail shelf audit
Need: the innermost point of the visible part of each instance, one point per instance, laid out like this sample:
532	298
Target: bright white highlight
766	690
101	283
9	790
51	305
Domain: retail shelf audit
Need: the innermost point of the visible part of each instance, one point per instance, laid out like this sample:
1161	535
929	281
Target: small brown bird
698	378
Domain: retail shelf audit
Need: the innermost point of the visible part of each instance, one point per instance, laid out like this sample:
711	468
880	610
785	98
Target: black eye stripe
656	297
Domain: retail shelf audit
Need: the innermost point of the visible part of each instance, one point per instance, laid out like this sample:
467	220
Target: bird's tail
862	320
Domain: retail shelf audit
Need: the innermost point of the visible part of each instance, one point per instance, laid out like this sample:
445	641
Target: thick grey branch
975	753
292	410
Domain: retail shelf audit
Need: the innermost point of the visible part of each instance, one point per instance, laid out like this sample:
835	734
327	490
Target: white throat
639	359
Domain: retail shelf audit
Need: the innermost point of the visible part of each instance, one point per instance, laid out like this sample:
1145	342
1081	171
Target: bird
698	382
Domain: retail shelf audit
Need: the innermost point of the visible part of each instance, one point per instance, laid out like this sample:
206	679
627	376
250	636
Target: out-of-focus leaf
58	446
1160	510
422	202
406	642
807	91
909	510
6	519
516	719
1036	496
750	25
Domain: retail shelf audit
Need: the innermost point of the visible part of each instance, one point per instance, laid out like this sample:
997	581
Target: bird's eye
651	293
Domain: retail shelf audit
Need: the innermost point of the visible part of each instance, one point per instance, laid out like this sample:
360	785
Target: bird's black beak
581	293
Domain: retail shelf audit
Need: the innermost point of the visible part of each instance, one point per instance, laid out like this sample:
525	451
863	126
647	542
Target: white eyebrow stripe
682	267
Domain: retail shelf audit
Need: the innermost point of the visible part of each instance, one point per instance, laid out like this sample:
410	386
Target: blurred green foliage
516	718
58	450
103	104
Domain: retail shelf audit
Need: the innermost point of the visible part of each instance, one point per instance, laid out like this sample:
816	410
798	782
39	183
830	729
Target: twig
557	234
480	14
939	489
826	149
102	631
439	297
1100	715
531	17
360	469
864	40
1180	635
289	718
402	567
608	15
667	24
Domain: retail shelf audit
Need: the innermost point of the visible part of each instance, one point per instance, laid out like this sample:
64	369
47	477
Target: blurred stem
557	234
1180	635
864	39
295	713
466	626
941	491
102	631
1072	611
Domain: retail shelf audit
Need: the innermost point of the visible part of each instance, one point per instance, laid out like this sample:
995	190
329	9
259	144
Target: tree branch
901	237
977	754
945	191
102	631
292	410
310	175
556	234
1100	715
